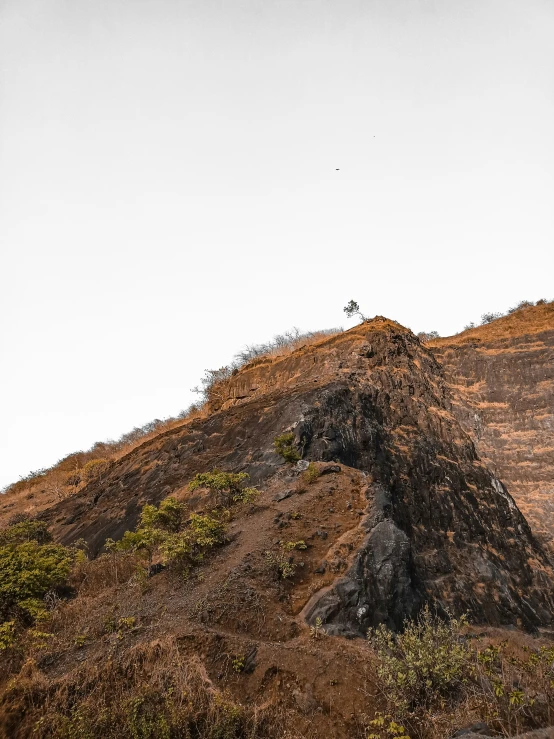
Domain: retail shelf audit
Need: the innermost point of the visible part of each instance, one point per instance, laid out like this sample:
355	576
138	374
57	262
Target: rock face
438	524
501	379
379	587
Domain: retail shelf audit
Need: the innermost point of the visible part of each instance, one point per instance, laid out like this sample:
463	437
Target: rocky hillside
435	523
501	378
392	496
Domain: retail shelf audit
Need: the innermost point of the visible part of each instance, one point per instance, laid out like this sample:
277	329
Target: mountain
437	523
390	473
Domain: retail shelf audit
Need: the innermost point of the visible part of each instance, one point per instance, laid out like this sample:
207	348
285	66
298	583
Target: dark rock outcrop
377	589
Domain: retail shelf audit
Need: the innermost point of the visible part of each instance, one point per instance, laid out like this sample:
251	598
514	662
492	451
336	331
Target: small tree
353	309
489	317
285	447
425	336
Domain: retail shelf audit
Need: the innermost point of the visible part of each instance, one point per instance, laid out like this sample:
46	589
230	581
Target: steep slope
430	520
501	378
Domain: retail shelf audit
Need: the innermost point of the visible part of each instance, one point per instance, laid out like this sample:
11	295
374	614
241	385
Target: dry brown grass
94	671
526	321
150	691
92	577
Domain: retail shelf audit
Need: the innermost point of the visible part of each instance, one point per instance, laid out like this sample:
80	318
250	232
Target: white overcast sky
168	188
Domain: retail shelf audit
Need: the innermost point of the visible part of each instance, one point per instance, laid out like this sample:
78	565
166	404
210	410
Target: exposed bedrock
440	526
378	588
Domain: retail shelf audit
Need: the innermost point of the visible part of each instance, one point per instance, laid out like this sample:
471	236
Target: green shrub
168	516
423	664
238	662
286	448
228	486
30	566
186	548
288	546
143	541
317	630
311	474
385	727
7	635
246	495
281	561
516	691
24	531
179	540
432	672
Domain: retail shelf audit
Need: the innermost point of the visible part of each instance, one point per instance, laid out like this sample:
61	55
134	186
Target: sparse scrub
425	336
212	385
178	540
149	692
285	447
432	675
228	486
524	304
281	561
489	317
91	577
281	344
212	388
66	476
94	469
31	480
310	474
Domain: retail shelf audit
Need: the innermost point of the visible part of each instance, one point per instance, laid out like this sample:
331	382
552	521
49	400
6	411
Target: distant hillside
502	380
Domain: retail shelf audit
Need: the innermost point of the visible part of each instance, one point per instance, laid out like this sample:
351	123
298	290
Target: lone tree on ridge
353	309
